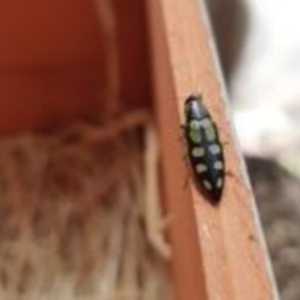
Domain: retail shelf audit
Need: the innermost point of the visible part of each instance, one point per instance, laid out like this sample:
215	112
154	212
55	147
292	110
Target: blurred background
259	48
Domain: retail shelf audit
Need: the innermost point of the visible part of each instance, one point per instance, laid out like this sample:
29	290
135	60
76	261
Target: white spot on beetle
219	183
207	184
198	152
200	168
214	149
218	165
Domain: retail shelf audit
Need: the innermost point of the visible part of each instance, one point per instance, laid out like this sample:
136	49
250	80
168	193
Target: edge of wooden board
218	252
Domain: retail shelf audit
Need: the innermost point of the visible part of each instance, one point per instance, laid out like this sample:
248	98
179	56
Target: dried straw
72	224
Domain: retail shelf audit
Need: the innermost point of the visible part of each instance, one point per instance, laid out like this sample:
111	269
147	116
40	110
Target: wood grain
218	252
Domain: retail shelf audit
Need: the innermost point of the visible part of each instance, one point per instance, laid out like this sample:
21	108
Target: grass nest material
72	215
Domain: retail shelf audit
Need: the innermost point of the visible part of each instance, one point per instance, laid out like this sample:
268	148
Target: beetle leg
181	136
229	174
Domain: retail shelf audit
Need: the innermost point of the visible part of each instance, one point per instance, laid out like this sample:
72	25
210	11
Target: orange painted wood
218	252
40	98
134	54
50	31
51	62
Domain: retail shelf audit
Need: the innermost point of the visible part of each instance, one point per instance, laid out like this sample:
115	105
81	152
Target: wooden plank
225	257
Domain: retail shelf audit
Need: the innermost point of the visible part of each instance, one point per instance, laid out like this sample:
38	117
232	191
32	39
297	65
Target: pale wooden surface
227	240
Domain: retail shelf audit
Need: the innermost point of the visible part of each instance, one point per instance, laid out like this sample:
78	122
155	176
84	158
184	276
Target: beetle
205	151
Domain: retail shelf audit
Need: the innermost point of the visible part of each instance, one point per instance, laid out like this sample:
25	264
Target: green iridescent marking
198	152
214	149
207	184
195	136
206	123
194	131
218	165
210	134
195	124
200	168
